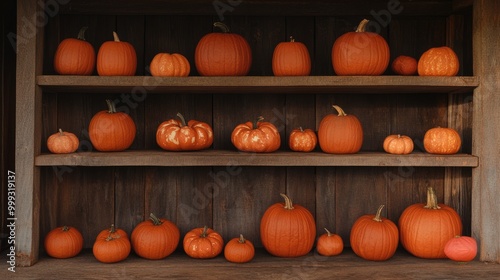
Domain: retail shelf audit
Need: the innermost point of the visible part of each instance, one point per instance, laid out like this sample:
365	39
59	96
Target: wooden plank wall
233	198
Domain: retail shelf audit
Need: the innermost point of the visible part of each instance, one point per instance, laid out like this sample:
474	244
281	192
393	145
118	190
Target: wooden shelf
259	84
234	158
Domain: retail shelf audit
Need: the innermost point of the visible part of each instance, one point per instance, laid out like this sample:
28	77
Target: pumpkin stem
204	232
292	39
154	219
288	201
109	238
222	26
377	217
431	199
61	133
339	111
301	129
328	232
242	239
65	228
111	106
362	25
112	229
81	33
183	121
115	37
259	119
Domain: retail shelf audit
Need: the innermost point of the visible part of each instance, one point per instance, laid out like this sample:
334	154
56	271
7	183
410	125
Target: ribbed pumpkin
442	140
177	135
112	248
62	142
340	133
329	244
291	59
169	65
75	56
360	53
398	144
155	238
223	54
404	65
426	228
111	131
374	238
116	58
239	250
63	242
302	140
440	61
287	230
461	248
203	243
258	137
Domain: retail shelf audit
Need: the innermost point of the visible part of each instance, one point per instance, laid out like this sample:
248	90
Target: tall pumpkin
116	58
426	228
291	59
75	56
360	53
223	54
287	230
340	133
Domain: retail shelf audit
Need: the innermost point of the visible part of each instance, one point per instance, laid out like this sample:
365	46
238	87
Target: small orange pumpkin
404	65
398	144
291	59
169	65
155	238
329	244
203	243
175	135
302	140
239	250
440	61
63	242
112	248
75	56
341	133
62	142
116	58
259	137
461	248
442	141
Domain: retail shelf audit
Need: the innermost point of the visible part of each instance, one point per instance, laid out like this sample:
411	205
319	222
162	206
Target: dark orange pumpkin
404	65
62	142
440	61
329	244
116	58
203	243
112	248
259	137
239	250
75	56
169	65
360	53
175	135
442	140
302	140
340	133
291	59
223	54
461	248
63	242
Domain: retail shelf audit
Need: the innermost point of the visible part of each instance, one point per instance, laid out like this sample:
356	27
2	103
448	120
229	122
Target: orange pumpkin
340	133
440	61
62	142
63	242
287	230
291	59
203	243
360	53
442	140
404	65
110	130
116	58
426	228
374	238
223	54
239	250
302	140
329	244
75	56
175	135
398	144
461	248
112	231
259	137
155	238
112	248
169	65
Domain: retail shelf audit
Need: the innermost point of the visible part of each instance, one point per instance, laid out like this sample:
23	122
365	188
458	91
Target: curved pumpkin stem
259	119
339	110
292	39
377	217
242	239
183	121
431	199
61	133
222	26
154	219
288	201
328	232
115	37
204	232
81	33
362	25
111	106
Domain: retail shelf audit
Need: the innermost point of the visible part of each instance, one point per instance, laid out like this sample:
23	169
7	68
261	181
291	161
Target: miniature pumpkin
442	140
329	244
75	56
223	54
360	53
203	243
302	140
110	130
259	137
461	248
398	144
62	142
175	135
404	65
291	59
287	230
425	228
340	134
239	250
440	61
112	231
374	238
169	65
112	248
155	238
116	58
63	242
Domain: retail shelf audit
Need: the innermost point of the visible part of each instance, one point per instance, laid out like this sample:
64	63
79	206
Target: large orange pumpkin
62	142
203	243
291	59
340	133
259	137
111	131
287	230
63	242
440	61
223	54
75	56
175	135
426	228
169	65
116	58
360	53
155	238
442	140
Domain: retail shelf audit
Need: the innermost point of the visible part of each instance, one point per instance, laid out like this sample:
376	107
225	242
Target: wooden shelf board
235	158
